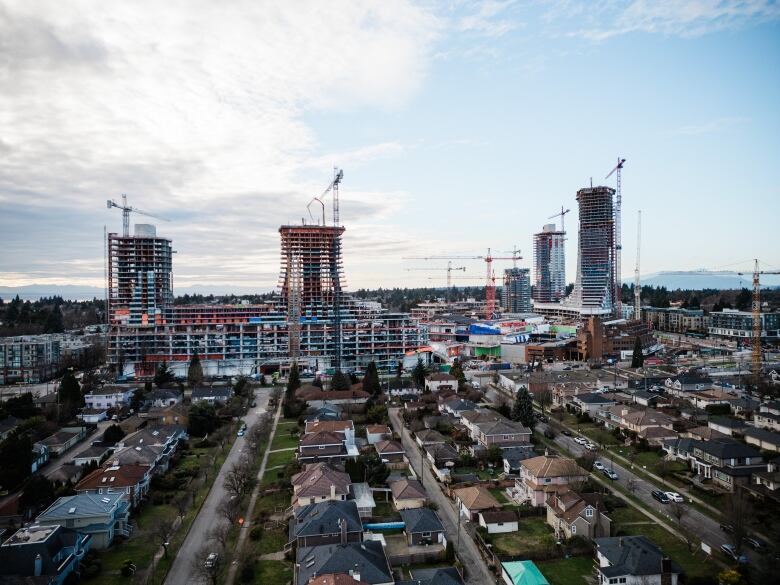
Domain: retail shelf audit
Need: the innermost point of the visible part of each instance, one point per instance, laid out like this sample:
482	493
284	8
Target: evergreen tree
202	419
638	358
293	383
523	409
371	382
15	460
418	373
163	376
195	372
744	300
70	396
399	370
340	381
457	371
54	322
113	434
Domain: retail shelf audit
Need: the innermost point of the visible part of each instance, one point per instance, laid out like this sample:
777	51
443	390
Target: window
426	534
612	581
589	513
622	580
547	480
322	446
573	529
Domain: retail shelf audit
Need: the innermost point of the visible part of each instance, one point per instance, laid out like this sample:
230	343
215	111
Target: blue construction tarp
480	329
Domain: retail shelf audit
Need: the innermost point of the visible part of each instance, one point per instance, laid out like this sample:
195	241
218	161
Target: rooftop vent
72	510
105	500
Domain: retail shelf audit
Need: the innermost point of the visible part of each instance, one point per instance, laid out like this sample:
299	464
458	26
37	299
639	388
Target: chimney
666	571
343	527
355	573
333	491
38	565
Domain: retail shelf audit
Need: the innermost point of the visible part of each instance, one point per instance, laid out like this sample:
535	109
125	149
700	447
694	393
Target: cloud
198	112
488	19
716	125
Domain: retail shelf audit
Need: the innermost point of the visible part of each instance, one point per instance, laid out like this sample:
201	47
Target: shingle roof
436	576
728	422
84	504
441	377
323	518
116	476
631	555
331	426
321	438
476	498
727	448
378	429
421	520
317	479
408	489
367	558
335	579
441	451
553	466
383	447
502	427
592	398
498	516
763	435
430	436
460	405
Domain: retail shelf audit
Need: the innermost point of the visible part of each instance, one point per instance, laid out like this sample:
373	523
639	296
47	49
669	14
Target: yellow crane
756	310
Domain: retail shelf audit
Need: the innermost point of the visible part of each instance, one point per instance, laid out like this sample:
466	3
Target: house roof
367	558
727	448
434	576
421	520
317	479
688	379
553	466
332	426
706	433
441	451
574	504
514	455
763	435
502	427
476	498
83	505
441	377
58	438
460	404
524	573
498	516
379	429
728	422
335	579
657	433
631	555
430	436
18	553
714	394
648	417
145	455
324	517
482	415
113	476
408	489
388	447
592	398
321	438
313	393
198	393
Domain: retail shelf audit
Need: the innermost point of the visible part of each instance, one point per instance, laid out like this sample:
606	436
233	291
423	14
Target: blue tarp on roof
480	329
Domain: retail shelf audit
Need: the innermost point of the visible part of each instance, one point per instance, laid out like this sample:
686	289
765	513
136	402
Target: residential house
710	397
40	456
728	426
441	455
591	403
42	555
544	475
319	482
102	516
166	437
503	433
364	498
215	395
150	456
325	412
745	407
63	440
762	438
440	381
322	446
572	514
327	522
391	452
178	414
93	415
162	398
703	434
408	493
726	462
427	437
683	384
522	573
342	427
472	500
7	425
679	448
474	417
634	420
633	560
657	435
768	416
96	453
376	433
335	579
498	521
422	526
434	576
513	456
109	397
767	483
132	481
644	398
457	406
365	562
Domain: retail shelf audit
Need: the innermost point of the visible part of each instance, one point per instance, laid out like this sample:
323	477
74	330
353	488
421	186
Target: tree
399	370
544	398
21	406
495	455
371	382
113	435
15	459
239	480
163	375
340	381
38	492
638	358
418	373
523	409
744	300
293	383
736	513
54	323
195	372
457	371
202	419
70	396
377	414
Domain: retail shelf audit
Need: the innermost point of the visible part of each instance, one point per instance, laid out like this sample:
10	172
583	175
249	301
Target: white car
674	497
591	447
580	440
598	465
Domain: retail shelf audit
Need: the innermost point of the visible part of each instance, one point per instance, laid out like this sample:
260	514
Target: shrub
256	533
247	572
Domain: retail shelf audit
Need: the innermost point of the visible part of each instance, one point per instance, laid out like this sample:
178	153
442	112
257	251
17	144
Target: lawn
273	573
283	440
271	502
270	541
279	459
627	514
384	510
534	533
572	571
480	473
498	494
599	435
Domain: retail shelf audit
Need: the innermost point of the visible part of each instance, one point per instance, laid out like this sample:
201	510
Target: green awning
523	573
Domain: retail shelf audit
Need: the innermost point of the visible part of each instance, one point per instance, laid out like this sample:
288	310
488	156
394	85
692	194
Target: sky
460	126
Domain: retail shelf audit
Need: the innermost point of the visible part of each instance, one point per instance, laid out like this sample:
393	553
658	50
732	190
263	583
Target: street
477	572
182	571
54	464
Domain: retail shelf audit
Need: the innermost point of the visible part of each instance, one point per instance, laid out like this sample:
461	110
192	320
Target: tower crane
637	287
449	270
756	310
126	209
490	280
561	215
338	175
618	245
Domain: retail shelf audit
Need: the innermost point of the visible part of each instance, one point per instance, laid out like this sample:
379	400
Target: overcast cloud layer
211	115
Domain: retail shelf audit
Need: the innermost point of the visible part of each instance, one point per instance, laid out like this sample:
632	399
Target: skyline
228	124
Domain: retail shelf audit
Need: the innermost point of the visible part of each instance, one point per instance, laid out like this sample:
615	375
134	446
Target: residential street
50	468
182	571
477	572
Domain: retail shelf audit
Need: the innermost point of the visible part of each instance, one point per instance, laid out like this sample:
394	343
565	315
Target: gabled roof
421	520
435	576
335	579
440	377
502	427
553	466
498	516
388	447
83	505
430	436
145	455
728	422
324	517
482	415
631	555
460	404
367	558
476	498
331	426
763	435
648	417
317	479
113	476
321	438
408	489
727	448
514	455
593	398
443	451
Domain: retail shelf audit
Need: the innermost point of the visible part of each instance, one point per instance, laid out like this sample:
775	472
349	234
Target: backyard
534	534
571	571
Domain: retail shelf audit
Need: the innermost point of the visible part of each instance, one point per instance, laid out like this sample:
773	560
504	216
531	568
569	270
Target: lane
477	572
182	570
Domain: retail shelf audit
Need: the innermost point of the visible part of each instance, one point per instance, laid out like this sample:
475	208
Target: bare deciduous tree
631	485
219	534
229	509
163	527
240	479
202	568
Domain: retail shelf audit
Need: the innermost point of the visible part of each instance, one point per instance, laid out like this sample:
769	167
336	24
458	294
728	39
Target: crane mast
637	287
126	210
756	313
618	301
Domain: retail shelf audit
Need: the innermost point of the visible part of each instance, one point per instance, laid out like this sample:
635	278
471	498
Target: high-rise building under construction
516	291
594	287
549	265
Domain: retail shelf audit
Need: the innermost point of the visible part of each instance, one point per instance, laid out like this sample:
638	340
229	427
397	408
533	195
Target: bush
256	533
247	572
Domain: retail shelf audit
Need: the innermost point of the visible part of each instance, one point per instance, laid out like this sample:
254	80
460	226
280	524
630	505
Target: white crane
126	209
637	287
618	245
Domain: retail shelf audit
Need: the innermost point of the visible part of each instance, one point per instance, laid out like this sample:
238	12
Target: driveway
477	572
182	572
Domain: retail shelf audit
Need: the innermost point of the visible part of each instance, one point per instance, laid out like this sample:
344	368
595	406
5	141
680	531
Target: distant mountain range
673	280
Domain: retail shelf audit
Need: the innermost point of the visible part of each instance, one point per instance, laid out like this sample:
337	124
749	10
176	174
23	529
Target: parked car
660	496
598	465
591	447
567	433
241	433
756	544
675	497
727	528
549	433
580	440
731	552
211	560
610	474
